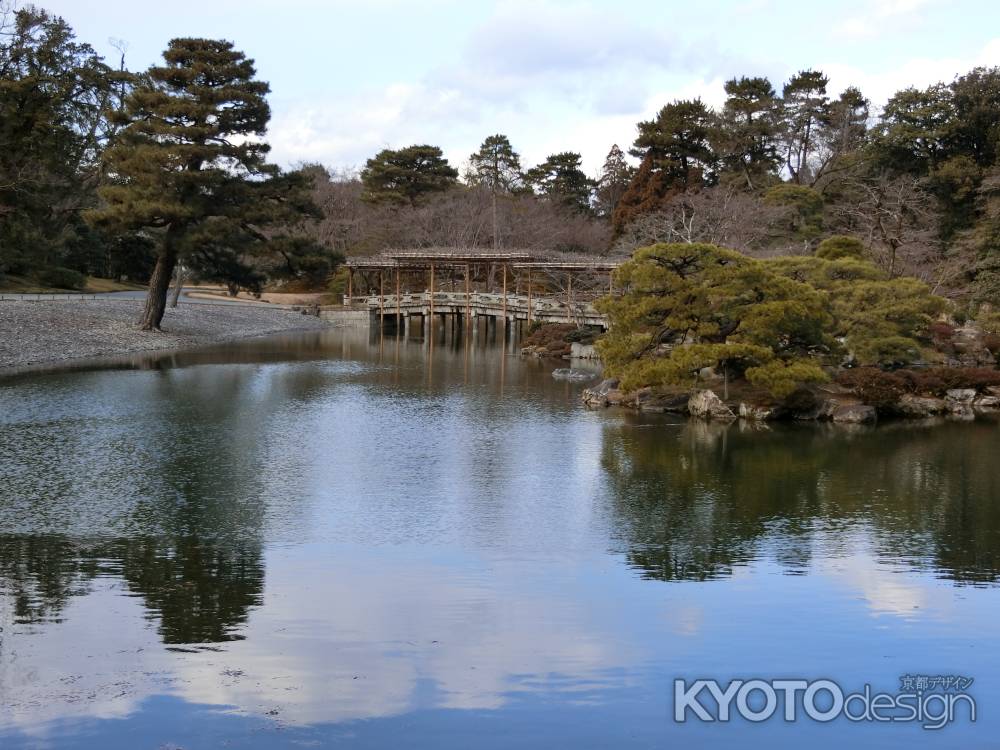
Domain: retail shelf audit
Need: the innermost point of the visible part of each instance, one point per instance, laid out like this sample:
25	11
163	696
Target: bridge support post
529	295
468	296
430	317
504	304
381	300
399	315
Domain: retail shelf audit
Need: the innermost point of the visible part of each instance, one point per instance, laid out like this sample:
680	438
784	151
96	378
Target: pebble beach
52	331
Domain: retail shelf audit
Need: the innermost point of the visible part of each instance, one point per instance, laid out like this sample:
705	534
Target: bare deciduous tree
460	217
898	221
723	216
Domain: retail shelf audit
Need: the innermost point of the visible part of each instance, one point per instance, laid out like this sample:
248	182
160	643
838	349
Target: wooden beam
468	296
381	299
350	283
569	296
399	316
430	328
505	298
529	295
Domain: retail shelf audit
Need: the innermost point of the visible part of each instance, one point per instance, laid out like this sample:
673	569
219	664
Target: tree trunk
496	235
179	277
159	284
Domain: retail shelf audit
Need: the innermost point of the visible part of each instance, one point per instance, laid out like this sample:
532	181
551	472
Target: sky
350	78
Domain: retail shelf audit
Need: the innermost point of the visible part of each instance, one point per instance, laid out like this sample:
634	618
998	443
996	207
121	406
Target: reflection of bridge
466	286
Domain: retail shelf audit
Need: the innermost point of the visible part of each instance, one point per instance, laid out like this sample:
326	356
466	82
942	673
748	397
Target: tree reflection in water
694	502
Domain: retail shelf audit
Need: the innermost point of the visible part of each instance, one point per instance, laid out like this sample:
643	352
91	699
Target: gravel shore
33	333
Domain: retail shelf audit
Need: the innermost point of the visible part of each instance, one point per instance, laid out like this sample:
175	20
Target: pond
334	539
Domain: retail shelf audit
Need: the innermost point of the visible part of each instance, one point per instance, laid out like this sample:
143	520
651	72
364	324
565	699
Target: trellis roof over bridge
458	257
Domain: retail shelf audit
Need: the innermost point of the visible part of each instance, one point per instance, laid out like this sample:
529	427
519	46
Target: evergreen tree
405	175
912	131
497	167
677	142
746	131
806	110
975	129
648	191
691	306
189	165
560	178
616	174
55	95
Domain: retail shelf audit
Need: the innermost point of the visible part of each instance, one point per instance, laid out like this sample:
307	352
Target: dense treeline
113	173
767	174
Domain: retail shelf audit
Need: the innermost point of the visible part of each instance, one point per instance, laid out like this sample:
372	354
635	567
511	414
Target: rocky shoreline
830	403
37	333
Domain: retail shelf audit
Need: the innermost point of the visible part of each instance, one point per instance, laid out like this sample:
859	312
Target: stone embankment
829	403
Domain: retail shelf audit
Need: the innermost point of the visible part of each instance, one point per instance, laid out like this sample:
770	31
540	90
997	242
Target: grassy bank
94	285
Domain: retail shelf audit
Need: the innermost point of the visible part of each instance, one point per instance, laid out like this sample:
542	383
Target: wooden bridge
401	289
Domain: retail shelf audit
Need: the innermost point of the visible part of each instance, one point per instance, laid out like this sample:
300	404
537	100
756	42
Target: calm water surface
325	540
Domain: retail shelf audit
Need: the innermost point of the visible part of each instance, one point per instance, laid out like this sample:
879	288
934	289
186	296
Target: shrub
926	382
801	400
968	377
62	278
554	338
840	246
941	330
873	386
586	335
935	381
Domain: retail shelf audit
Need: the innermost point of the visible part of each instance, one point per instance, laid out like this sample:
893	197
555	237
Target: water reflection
197	591
694	501
308	531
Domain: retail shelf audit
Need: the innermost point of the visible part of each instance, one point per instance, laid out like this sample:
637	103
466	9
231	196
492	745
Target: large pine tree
55	94
497	167
406	175
190	165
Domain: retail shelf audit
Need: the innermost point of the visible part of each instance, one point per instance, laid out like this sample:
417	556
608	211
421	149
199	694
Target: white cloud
877	13
572	76
879	86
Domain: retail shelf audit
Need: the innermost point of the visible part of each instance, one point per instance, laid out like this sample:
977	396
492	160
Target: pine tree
497	167
616	174
404	176
746	131
559	177
806	111
677	141
189	164
55	95
649	190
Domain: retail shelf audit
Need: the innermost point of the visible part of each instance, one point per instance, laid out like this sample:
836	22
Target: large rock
993	390
599	394
571	373
961	395
616	397
986	404
919	407
582	351
823	410
854	414
660	403
756	413
708	374
706	405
